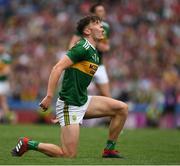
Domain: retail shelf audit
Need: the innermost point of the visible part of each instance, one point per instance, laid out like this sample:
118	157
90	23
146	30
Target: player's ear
87	31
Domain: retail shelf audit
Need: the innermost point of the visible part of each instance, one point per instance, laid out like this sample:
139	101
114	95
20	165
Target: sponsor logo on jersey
86	67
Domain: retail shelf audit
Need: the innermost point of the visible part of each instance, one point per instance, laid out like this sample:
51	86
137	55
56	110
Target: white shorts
69	114
4	88
101	76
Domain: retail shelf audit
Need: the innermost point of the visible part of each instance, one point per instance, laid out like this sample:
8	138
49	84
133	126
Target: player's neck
92	41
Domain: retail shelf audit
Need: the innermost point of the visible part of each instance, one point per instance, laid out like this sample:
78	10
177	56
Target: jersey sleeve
77	53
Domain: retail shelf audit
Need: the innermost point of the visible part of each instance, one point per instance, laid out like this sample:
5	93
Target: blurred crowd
144	61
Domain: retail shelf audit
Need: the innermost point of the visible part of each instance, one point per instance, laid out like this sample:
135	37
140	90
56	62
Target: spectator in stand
5	70
145	36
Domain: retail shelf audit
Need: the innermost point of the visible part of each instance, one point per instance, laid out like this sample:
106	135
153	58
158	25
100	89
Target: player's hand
54	120
45	103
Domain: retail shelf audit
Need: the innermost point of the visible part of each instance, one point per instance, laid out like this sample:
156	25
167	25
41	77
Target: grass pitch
141	146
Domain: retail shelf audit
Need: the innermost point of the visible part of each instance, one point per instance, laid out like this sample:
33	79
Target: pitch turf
142	146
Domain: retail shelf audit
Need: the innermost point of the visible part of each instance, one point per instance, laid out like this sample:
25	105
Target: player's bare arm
53	80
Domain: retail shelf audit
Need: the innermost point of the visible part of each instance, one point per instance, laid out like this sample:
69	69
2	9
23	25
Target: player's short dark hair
86	21
93	7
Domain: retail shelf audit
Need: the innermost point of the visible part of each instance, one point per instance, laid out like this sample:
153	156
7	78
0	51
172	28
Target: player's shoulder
83	44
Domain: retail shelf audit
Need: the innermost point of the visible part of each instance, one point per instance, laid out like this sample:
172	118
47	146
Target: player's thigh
101	106
70	139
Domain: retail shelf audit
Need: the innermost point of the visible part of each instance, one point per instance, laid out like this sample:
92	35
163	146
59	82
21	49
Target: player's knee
123	109
71	154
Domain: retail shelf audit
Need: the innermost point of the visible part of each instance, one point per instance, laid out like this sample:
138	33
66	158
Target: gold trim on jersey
86	67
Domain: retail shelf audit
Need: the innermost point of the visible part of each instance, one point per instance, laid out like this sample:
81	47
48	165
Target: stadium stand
143	64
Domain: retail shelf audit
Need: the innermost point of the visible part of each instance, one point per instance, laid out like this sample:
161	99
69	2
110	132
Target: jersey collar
90	44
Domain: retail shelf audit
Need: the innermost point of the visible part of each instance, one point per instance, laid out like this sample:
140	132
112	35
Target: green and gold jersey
76	79
5	60
106	28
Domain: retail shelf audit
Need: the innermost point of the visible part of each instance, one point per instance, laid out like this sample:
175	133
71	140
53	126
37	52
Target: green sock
33	145
110	145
